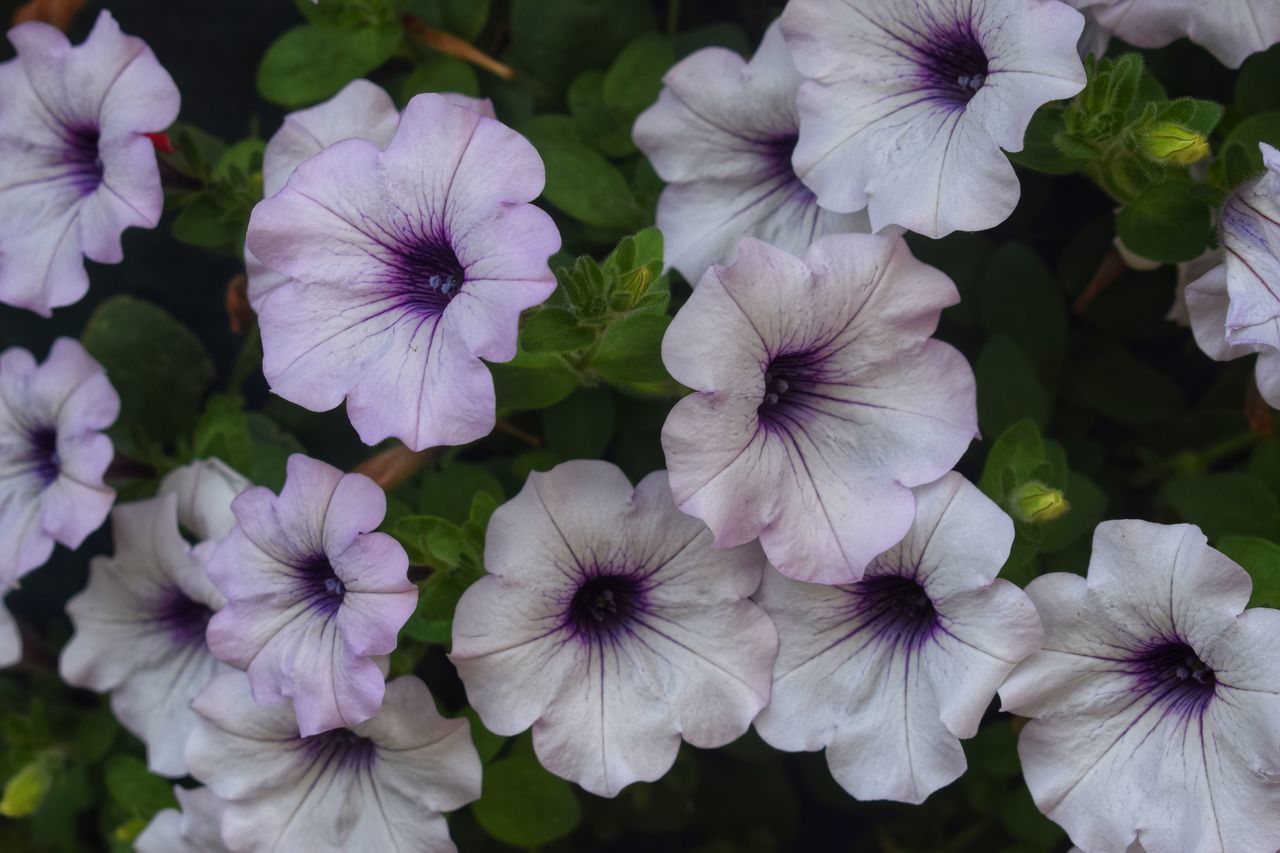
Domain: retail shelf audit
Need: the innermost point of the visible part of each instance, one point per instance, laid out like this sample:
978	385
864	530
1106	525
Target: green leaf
1226	503
1245	136
432	622
1088	503
1168	222
631	349
1008	388
580	426
1104	377
1017	456
559	40
635	78
311	62
159	368
1040	151
1261	559
449	492
1021	298
438	73
551	329
464	18
524	805
600	126
582	183
487	743
532	381
432	541
1256	90
134	789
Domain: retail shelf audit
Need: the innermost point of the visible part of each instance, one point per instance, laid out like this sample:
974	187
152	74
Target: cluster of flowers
809	563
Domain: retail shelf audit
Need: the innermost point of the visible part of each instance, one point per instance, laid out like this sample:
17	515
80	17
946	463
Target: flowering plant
634	424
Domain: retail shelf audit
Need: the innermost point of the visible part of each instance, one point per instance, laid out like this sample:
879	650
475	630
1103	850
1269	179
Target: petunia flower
888	674
1155	702
821	401
313	595
609	625
1234	307
10	639
379	785
76	165
140	623
52	453
408	267
721	136
909	103
1231	30
197	828
362	110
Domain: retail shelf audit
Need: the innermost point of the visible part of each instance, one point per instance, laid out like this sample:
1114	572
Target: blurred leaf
580	426
159	368
1261	559
465	18
135	789
1169	222
559	40
601	127
438	73
1256	90
631	349
311	62
1008	388
487	743
635	78
449	492
725	34
1104	377
524	805
532	381
1088	502
1021	298
1226	503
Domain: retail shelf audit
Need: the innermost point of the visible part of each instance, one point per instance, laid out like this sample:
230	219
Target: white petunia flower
1155	702
909	102
721	136
1231	30
610	625
889	673
377	786
197	828
140	622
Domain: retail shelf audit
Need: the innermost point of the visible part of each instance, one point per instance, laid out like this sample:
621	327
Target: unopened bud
127	832
1173	143
26	789
1036	503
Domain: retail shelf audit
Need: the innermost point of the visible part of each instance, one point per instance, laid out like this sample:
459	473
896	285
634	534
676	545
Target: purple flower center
896	609
184	619
1171	671
321	586
953	64
83	162
45	460
425	273
603	605
342	749
790	387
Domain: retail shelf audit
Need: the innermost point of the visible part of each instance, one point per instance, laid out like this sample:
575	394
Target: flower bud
1036	503
1175	144
26	789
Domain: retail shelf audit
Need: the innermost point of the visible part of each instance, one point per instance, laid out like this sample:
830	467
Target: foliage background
1139	423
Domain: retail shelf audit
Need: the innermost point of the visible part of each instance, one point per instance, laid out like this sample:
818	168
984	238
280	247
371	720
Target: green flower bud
1175	144
1036	503
26	790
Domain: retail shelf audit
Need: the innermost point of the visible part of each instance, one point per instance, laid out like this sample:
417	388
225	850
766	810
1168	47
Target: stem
451	45
394	465
515	431
1110	269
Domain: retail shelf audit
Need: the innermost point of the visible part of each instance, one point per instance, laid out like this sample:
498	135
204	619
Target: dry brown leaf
59	13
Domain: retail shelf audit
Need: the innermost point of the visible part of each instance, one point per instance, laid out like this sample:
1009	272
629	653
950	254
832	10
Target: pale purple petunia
408	267
76	166
909	102
888	674
1235	306
140	622
52	453
721	136
197	828
377	786
314	595
821	401
362	110
1155	702
609	625
1231	30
